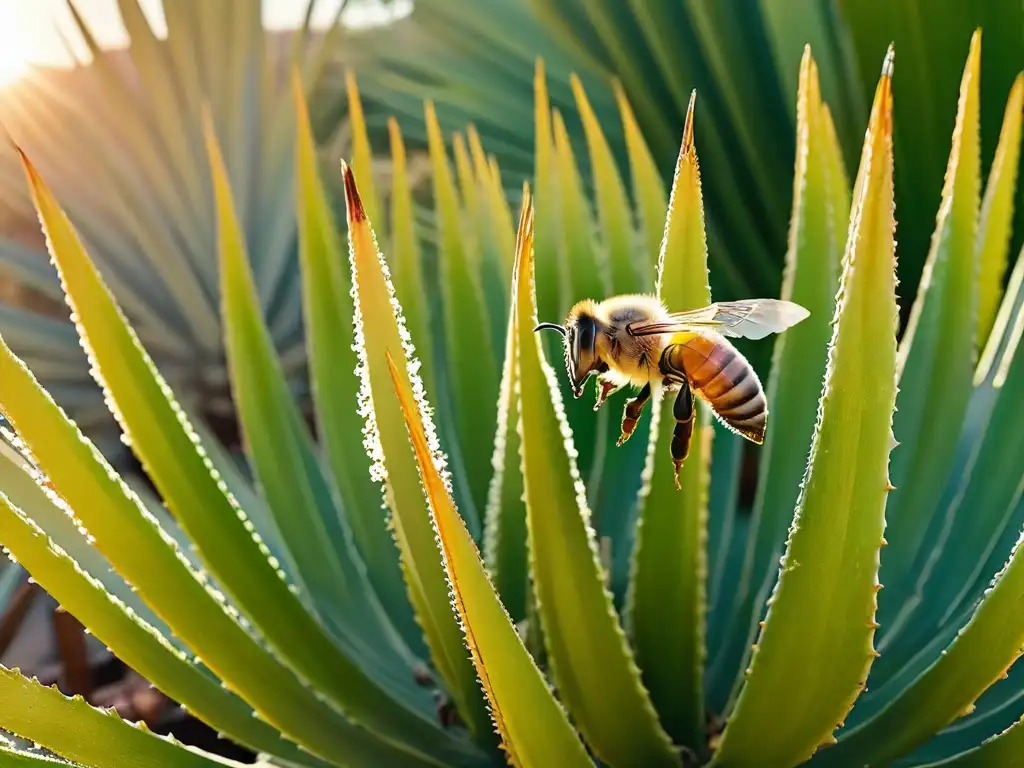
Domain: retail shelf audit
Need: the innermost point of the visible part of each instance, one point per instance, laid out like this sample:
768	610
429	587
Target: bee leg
605	388
631	414
683	412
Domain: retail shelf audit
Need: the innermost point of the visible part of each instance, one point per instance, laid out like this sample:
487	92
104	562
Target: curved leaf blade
669	569
327	305
1004	750
505	528
88	735
139	645
534	728
362	155
472	365
811	279
614	212
591	664
379	327
813	654
995	222
937	351
136	545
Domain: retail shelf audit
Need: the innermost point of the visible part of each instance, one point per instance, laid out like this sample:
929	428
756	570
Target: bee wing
749	319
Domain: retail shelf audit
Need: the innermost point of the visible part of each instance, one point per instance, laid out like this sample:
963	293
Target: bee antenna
550	326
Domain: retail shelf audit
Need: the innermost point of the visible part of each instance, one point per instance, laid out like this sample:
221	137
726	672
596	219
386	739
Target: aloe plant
136	185
280	614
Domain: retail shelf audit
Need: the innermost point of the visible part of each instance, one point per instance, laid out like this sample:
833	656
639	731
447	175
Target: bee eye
587	334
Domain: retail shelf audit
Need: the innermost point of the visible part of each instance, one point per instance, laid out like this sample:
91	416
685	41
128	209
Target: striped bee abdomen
722	377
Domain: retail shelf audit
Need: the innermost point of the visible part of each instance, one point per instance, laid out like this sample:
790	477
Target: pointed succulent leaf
995	222
472	364
627	273
380	326
406	259
362	155
534	728
669	569
505	520
132	539
810	279
588	656
815	649
88	735
135	642
328	309
937	351
648	187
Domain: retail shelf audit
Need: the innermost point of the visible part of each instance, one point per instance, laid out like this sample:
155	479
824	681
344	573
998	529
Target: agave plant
238	601
135	184
470	60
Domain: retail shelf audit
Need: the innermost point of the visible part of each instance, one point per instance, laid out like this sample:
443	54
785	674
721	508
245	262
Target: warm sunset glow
15	51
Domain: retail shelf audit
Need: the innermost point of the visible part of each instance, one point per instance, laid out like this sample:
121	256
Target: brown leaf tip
688	126
356	212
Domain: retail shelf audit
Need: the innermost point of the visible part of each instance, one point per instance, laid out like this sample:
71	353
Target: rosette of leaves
350	587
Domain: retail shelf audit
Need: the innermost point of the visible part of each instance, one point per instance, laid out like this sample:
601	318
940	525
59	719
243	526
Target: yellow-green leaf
996	220
88	735
380	326
813	655
648	188
362	155
627	272
817	236
327	306
406	260
590	661
669	569
472	365
937	352
534	728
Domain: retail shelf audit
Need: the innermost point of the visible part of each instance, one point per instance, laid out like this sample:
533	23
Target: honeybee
633	340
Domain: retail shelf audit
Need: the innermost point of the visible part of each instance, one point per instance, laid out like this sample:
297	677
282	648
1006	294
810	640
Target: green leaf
669	569
551	287
627	274
379	327
11	757
534	728
472	365
333	362
814	652
811	278
937	351
362	155
406	260
505	528
1004	750
589	658
88	735
297	492
142	552
980	656
585	275
981	652
141	646
648	187
995	224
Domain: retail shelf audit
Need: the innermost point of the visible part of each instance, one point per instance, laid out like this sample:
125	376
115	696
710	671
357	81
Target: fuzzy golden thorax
597	341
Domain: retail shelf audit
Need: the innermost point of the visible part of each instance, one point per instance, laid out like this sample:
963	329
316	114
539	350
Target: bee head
580	336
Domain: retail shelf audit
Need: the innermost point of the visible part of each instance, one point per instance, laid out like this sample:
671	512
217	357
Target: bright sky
35	31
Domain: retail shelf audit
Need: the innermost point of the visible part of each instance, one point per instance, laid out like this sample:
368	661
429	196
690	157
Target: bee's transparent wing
749	319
